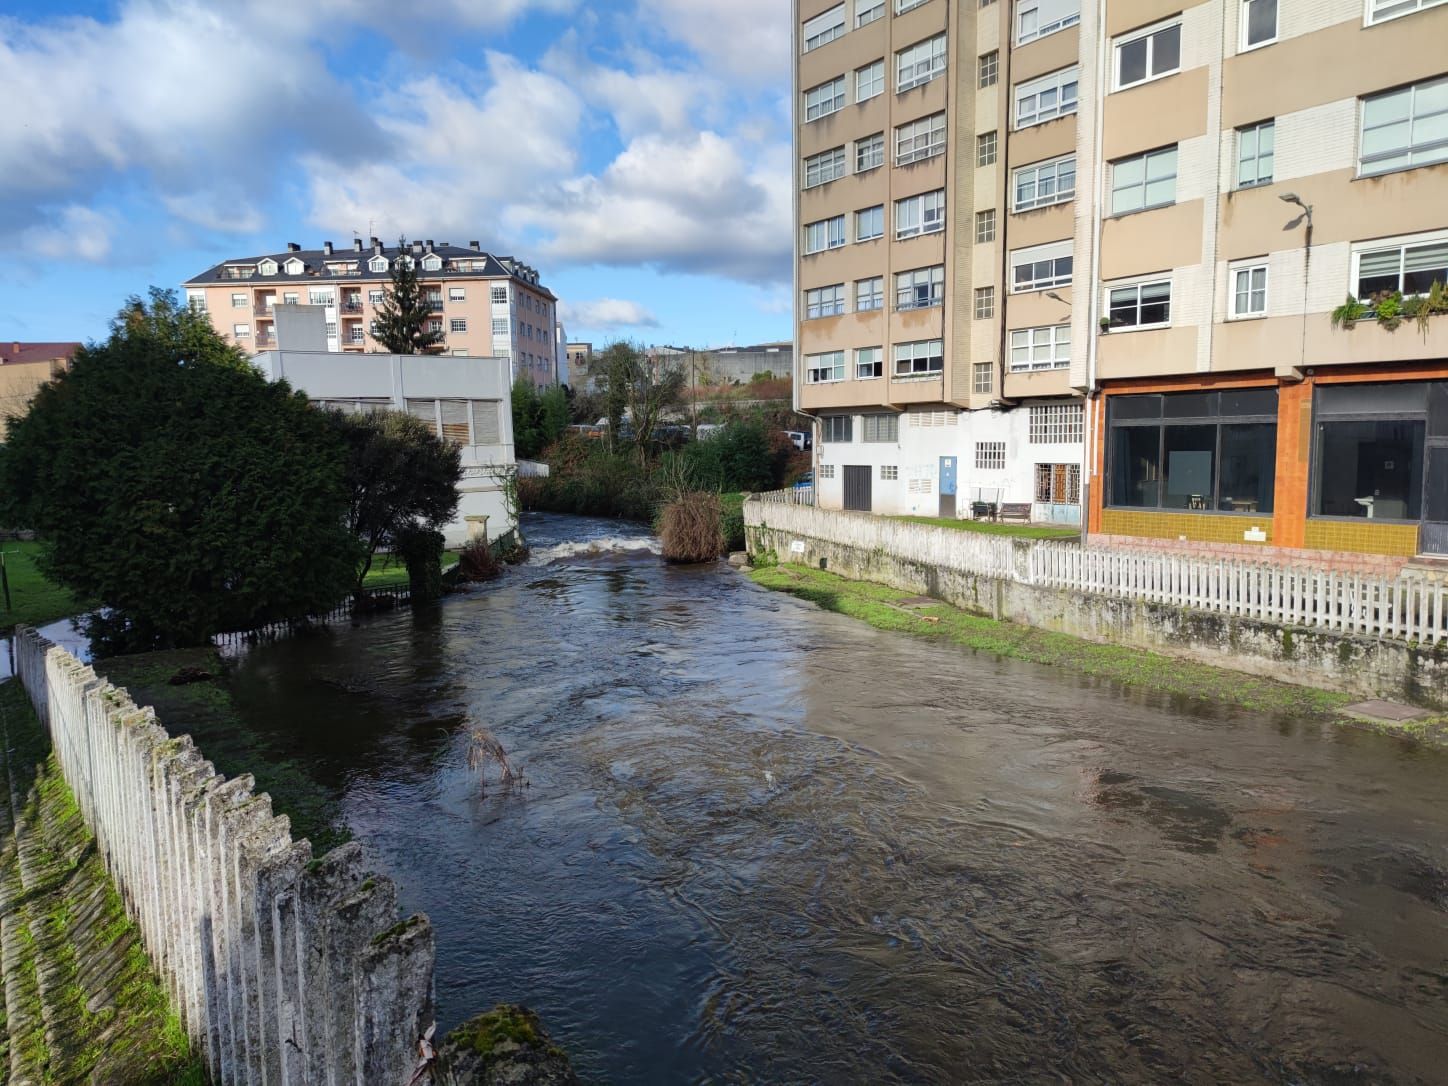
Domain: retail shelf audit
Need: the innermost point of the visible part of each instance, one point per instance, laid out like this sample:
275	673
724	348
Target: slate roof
12	352
316	261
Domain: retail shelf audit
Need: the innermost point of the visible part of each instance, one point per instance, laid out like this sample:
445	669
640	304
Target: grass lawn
387	573
34	600
987	527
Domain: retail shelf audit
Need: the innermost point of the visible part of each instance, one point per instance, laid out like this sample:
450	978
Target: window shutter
486	430
426	410
455	422
1420	258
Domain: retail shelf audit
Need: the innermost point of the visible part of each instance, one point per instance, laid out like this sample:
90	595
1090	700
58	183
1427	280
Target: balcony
434	305
355	335
266	310
351	305
265	339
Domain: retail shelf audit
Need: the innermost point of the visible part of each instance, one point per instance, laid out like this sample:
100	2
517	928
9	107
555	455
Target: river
765	843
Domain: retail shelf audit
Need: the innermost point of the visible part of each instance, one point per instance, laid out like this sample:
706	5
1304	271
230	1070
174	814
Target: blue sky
635	151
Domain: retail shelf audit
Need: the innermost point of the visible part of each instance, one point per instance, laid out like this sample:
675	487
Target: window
902	6
377	264
985	226
1249	291
825	99
984	303
1193	451
870	223
990	455
889	472
1144	181
825	234
486	427
1140	305
821	369
241	331
1148	55
869	294
1041	267
500	295
290	298
1410	268
920	139
1368	459
1044	183
432	263
869	81
1058	484
823	29
1254	154
1037	18
869	363
923	214
923	356
457	324
867	11
1047	348
433	326
500	326
824	301
238	301
1047	98
988	68
879	428
374	297
870	152
1056	423
921	288
836	429
825	166
827	471
456	294
982	378
920	63
1404	128
1380	10
1259	23
985	148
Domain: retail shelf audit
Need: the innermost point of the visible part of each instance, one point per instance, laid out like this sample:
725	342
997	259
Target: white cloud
224	213
74	233
606	313
742	40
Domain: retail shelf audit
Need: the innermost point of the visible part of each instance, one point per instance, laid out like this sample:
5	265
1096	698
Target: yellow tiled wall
1195	526
1364	535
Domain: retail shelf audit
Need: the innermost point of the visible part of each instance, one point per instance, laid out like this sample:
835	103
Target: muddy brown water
765	843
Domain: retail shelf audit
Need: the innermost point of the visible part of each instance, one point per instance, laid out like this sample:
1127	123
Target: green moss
503	1023
398	930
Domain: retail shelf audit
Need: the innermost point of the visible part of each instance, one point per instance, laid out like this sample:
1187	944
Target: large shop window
1369	456
1194	451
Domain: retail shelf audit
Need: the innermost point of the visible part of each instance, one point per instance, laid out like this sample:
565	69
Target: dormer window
267	267
377	264
432	263
406	261
294	266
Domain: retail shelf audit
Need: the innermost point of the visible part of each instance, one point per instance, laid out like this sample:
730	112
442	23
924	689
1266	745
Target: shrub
478	562
690	528
732	506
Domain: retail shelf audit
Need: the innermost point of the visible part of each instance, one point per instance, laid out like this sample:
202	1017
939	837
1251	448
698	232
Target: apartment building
24	367
1174	203
484	305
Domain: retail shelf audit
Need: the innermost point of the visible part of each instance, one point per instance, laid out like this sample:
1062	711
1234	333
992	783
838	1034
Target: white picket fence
1410	606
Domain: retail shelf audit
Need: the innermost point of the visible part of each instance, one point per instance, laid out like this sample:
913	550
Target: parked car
805	481
800	439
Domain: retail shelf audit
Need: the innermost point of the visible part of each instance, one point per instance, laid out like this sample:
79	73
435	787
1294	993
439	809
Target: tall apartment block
484	305
1026	223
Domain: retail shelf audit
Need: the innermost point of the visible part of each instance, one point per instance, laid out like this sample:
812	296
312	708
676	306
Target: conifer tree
403	315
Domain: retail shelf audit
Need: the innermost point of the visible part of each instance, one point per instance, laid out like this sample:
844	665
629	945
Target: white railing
1409	606
798	495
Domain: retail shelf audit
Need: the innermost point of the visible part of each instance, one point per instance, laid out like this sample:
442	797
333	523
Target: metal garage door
857	487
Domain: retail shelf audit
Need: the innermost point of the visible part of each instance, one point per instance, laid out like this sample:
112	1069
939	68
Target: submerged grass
881	606
34	600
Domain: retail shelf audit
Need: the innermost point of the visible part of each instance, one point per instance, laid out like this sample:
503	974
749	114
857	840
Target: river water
765	843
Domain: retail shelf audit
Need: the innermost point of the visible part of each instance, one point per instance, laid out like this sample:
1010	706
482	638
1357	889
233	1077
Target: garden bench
1015	511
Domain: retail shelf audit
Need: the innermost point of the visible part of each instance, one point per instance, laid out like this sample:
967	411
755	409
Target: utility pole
693	398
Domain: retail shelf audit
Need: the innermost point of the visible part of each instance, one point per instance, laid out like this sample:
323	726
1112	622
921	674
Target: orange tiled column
1294	455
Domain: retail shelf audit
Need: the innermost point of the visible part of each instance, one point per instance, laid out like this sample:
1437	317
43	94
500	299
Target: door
857	487
1433	533
947	486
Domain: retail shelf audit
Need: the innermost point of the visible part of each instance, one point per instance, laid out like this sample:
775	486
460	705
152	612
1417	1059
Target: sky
636	152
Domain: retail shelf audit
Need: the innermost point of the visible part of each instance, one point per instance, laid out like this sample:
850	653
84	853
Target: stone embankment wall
1371	667
283	969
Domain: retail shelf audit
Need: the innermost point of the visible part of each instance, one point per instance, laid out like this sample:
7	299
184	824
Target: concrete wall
284	969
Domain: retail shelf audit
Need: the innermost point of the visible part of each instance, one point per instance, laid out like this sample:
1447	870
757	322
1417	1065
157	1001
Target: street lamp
1293	198
1306	216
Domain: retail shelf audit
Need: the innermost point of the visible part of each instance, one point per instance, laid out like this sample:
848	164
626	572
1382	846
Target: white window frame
498	295
1256	132
826	301
295	266
457	324
908	284
323	298
871	358
1052	252
920	71
879	209
931	214
1409	7
920	139
902	6
240	331
831	92
239	301
818	366
1137	284
1056	424
1046	347
889	472
880	428
823	28
1057	82
870	80
1437	150
266	267
824	167
870	152
1247	268
1245	16
990	456
931	352
870	294
1037	170
979	370
867	11
432	262
1402	244
827	232
1149	33
1064	21
377	264
457	294
1148	161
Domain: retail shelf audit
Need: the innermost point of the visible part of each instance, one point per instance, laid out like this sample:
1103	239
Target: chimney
417	248
356	245
293	247
327	247
376	246
429	244
475	246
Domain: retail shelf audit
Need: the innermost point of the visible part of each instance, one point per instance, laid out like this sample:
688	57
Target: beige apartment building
484	305
24	367
1012	211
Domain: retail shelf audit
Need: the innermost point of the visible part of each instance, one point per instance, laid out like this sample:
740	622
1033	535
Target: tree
401	481
403	315
177	487
539	419
635	387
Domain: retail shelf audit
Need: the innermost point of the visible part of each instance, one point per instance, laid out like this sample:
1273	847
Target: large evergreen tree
403	315
179	488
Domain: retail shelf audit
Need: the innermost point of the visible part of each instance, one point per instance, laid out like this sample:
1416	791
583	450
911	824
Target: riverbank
888	608
34	600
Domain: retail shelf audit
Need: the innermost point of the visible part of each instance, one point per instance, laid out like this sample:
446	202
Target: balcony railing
351	305
263	310
265	339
